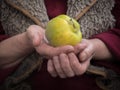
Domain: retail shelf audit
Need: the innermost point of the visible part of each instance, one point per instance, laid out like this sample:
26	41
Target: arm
107	43
95	48
111	40
70	64
14	49
100	47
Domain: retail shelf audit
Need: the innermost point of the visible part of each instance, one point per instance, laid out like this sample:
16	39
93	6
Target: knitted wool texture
96	20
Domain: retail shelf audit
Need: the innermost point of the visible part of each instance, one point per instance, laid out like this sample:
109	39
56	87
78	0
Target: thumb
37	40
65	49
80	47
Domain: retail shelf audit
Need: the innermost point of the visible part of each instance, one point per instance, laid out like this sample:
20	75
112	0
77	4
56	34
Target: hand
95	48
17	47
36	35
88	52
69	65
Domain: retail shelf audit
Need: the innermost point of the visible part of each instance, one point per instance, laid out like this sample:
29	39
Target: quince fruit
63	30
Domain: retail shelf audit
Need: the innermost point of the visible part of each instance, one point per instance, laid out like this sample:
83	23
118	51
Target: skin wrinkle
66	64
57	66
51	68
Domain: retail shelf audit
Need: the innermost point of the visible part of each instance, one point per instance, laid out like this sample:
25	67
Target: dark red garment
112	37
2	36
112	40
56	7
85	82
43	81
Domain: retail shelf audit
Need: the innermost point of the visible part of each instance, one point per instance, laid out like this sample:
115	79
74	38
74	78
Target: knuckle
65	67
74	63
58	69
87	51
31	27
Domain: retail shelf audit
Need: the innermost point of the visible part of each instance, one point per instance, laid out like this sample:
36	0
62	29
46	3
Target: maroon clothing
2	36
56	7
112	37
43	81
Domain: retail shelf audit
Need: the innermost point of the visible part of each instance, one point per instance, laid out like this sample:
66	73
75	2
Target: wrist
24	42
14	49
101	50
96	43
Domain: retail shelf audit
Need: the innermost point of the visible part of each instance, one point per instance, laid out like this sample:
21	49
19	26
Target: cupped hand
36	36
88	52
66	66
71	64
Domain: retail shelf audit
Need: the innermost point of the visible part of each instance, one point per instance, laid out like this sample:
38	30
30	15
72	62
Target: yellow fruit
63	30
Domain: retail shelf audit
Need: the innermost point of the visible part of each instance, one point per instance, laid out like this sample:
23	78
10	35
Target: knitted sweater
43	75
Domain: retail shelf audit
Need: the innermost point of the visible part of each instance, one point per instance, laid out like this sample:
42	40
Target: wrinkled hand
36	35
71	64
88	52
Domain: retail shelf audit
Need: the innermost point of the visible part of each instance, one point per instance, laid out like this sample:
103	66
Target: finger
84	55
58	67
79	68
64	49
66	65
44	49
51	68
47	50
75	64
37	39
80	47
35	34
85	65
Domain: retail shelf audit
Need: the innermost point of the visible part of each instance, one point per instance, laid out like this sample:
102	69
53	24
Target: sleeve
112	37
112	41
